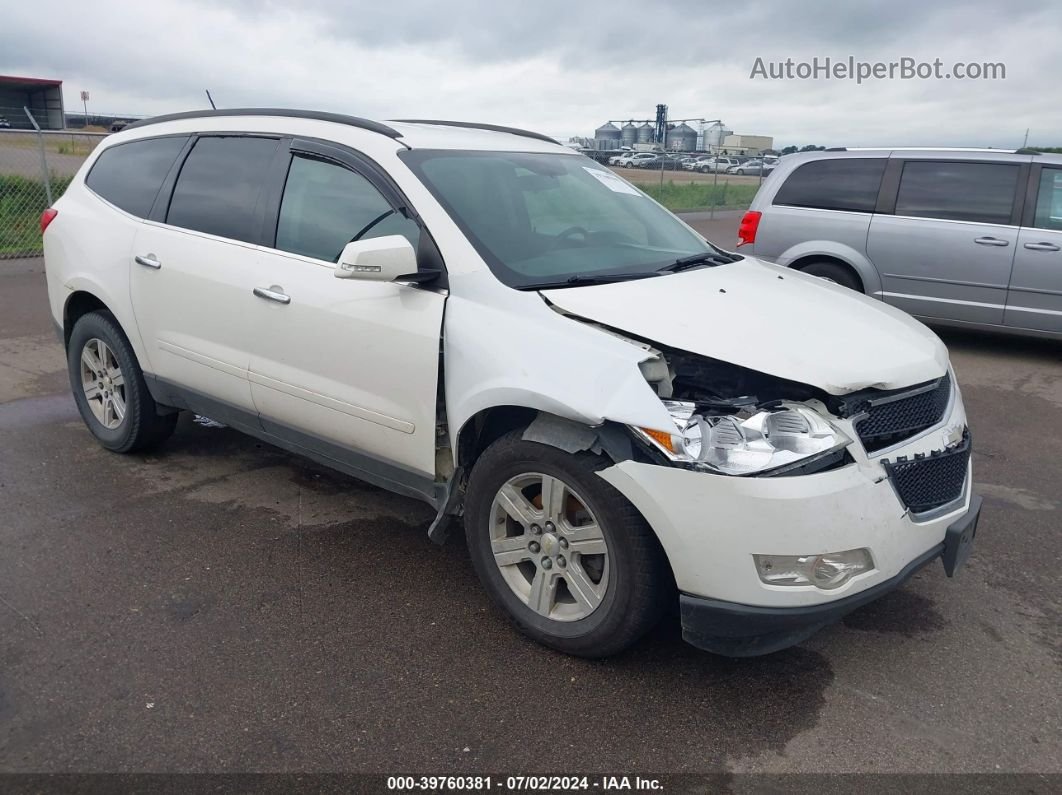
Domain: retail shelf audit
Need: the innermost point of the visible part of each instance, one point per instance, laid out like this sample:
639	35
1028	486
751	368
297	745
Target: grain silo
607	136
629	134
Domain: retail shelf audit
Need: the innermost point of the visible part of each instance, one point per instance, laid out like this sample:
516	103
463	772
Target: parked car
286	273
715	164
4	124
635	159
749	168
659	161
955	237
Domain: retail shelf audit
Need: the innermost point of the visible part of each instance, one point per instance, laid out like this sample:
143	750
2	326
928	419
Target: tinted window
842	184
545	218
326	206
982	192
219	184
1049	200
130	175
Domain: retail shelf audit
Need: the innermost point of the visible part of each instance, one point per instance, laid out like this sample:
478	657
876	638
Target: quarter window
219	185
980	192
841	184
326	206
130	175
1049	200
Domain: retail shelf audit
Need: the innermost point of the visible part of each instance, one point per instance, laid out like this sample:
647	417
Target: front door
1035	297
344	364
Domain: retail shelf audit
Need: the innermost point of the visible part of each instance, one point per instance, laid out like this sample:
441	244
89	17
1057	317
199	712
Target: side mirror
381	259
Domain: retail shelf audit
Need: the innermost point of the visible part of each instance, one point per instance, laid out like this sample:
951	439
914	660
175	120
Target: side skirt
343	459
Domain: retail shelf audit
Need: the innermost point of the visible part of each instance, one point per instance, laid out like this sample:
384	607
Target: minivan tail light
750	222
47	217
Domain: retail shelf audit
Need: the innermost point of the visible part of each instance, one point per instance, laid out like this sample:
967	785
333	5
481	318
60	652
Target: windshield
553	219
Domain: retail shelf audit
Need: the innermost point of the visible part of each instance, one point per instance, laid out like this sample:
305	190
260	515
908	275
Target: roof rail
835	149
1024	151
474	126
337	118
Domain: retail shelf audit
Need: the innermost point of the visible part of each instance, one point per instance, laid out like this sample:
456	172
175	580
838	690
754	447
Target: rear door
353	364
1034	300
945	242
196	263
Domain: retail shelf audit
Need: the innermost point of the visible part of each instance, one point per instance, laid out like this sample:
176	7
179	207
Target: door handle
991	241
1041	246
272	295
148	261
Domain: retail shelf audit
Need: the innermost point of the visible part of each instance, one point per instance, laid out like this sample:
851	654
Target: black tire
638	581
142	426
834	272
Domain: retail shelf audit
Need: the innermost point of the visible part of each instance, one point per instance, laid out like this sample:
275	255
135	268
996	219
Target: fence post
44	161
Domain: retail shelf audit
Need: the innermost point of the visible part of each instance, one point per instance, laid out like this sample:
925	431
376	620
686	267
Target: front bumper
738	630
710	526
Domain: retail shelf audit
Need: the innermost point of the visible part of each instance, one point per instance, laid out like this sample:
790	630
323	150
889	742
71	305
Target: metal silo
607	136
629	134
682	138
645	133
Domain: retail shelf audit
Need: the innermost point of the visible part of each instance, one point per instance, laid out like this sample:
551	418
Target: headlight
748	442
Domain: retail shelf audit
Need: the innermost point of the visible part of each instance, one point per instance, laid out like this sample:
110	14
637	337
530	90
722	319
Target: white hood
769	319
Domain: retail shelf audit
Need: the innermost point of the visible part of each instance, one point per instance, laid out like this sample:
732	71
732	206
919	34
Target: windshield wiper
586	278
711	258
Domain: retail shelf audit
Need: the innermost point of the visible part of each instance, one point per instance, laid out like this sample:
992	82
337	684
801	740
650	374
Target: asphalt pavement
220	605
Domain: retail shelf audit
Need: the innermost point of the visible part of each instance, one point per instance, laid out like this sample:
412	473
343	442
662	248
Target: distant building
746	144
44	98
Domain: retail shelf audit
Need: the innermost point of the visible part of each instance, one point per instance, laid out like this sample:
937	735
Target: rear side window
326	206
980	192
219	185
130	175
842	184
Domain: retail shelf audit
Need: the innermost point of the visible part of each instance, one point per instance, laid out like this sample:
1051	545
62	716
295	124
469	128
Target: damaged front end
732	420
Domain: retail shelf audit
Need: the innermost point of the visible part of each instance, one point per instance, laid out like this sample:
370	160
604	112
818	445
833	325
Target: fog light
828	571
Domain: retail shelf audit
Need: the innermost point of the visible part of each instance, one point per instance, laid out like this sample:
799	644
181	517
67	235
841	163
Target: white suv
478	317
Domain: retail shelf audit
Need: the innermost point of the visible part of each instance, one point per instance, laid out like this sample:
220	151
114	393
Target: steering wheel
567	233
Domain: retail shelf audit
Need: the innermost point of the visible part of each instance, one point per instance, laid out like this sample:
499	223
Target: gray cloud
560	67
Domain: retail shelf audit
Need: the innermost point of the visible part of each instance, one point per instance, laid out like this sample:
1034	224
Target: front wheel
566	556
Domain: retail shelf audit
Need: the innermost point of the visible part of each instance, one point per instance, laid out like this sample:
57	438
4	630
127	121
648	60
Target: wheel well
484	428
78	304
803	262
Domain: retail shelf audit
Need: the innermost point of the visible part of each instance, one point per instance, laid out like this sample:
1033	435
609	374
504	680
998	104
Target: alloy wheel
549	547
103	383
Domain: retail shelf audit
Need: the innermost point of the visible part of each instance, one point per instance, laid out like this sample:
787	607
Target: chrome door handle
148	261
272	295
991	241
1041	246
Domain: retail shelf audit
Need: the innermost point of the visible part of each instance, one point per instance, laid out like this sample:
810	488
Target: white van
624	414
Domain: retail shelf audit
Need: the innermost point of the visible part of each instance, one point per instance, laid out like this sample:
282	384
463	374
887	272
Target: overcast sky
560	67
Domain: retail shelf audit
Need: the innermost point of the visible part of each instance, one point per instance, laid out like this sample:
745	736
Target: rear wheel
834	272
109	387
569	559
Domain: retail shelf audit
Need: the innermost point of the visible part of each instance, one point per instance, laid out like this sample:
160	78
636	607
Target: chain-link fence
35	168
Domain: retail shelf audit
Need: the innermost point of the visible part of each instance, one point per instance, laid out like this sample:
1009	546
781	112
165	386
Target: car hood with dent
767	318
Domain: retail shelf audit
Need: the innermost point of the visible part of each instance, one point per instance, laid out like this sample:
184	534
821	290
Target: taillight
47	217
750	222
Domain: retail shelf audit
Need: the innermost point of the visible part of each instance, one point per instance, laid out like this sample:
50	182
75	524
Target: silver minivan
953	236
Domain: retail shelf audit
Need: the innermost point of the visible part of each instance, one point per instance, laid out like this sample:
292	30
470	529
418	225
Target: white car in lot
624	414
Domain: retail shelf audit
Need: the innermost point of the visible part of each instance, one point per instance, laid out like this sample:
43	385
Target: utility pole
1025	143
84	102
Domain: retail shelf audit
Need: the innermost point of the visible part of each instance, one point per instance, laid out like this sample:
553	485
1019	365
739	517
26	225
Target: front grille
928	481
894	419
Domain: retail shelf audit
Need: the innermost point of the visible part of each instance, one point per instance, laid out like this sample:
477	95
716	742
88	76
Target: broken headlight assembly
750	440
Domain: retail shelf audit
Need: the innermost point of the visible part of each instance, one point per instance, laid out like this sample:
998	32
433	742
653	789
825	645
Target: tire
834	272
632	577
139	425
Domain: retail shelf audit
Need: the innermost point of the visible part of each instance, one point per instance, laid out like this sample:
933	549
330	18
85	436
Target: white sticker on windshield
611	181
